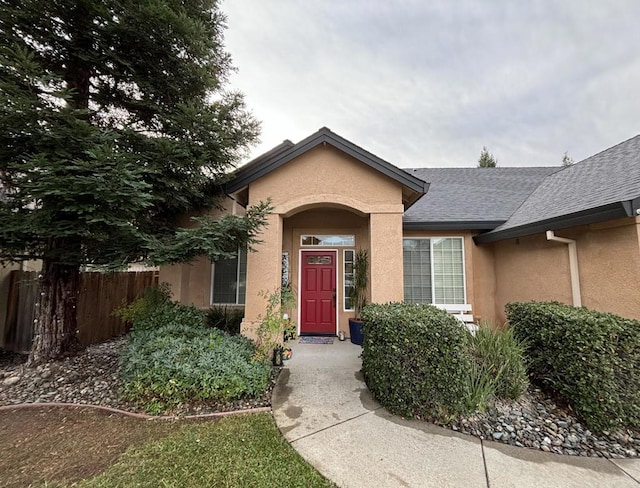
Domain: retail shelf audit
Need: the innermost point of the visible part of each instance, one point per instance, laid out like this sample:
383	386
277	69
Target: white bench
461	311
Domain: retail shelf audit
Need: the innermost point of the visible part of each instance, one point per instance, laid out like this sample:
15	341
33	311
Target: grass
480	388
65	445
498	367
242	451
71	447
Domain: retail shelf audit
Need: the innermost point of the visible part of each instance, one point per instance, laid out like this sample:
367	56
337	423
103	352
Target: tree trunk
55	328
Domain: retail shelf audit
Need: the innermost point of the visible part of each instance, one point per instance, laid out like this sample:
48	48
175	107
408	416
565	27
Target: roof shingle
479	197
609	177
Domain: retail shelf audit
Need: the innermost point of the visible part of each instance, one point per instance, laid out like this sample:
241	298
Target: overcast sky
429	83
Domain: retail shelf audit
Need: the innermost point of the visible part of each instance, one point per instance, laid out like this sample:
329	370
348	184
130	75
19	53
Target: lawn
240	451
85	448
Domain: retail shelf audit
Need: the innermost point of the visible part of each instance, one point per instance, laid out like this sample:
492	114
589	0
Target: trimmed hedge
592	359
415	360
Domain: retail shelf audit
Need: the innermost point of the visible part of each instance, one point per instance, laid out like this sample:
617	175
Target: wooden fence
100	294
23	293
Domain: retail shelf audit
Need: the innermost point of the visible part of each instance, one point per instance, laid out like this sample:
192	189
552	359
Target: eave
589	216
412	187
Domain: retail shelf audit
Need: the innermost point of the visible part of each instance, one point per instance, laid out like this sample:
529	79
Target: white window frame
302	236
344	276
213	271
464	264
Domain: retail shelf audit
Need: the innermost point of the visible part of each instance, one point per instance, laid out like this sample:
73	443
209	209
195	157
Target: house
474	237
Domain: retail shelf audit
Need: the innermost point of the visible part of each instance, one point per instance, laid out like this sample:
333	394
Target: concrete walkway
324	409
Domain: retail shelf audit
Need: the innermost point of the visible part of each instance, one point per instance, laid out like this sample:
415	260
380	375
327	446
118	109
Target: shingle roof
507	202
472	198
598	188
413	187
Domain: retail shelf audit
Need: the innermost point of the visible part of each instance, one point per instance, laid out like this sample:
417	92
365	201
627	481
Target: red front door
318	293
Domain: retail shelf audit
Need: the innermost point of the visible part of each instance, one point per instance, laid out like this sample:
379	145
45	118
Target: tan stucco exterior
325	191
532	268
328	192
323	221
191	282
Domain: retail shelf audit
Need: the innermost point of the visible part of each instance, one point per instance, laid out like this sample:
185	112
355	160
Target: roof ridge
594	189
476	168
287	151
603	151
531	193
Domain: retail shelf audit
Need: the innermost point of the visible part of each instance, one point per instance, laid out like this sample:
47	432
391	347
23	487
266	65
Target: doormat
316	340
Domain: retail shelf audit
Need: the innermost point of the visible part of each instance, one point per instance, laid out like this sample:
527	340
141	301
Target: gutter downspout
573	265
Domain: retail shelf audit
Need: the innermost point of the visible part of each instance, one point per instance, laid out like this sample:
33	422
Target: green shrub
155	309
270	331
415	359
152	297
227	319
591	359
176	363
500	359
170	314
173	358
480	388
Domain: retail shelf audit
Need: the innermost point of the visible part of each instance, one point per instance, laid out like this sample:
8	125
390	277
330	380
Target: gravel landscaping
92	377
88	377
537	422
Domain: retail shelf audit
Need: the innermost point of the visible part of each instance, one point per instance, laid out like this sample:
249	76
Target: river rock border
538	422
91	378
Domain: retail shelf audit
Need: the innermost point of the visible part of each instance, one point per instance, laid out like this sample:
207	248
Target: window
328	240
348	279
229	280
319	260
434	270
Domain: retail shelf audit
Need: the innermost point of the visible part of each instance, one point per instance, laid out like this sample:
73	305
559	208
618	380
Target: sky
428	83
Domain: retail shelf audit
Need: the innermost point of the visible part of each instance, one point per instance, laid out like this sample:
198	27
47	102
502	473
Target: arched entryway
318	245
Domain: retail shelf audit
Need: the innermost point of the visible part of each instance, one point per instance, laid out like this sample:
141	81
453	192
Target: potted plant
358	294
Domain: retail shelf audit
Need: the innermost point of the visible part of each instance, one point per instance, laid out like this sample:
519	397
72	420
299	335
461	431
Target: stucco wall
532	268
191	282
483	282
324	191
326	175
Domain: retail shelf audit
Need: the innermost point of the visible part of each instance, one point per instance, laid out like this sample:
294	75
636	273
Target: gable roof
471	198
602	187
413	187
506	202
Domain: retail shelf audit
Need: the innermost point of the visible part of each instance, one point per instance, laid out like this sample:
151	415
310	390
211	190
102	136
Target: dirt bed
63	445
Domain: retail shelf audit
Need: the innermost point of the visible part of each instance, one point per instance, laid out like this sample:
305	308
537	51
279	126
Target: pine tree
486	159
567	160
114	121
